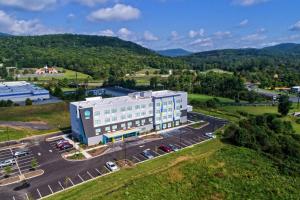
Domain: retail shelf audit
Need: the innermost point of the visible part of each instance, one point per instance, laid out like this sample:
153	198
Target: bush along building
98	120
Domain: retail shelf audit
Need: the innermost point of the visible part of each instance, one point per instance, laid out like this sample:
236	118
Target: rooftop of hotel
132	97
19	87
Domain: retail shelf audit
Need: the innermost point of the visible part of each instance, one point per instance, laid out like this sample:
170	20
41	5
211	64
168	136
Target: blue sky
195	25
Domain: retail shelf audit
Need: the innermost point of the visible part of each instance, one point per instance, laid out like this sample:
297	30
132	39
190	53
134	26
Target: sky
194	25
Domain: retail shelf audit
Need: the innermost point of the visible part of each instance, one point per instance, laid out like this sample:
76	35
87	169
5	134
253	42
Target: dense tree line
271	135
93	55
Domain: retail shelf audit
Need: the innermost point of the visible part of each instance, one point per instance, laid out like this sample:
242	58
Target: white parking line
61	185
26	196
50	189
193	139
14	198
89	174
98	171
71	181
155	152
106	168
39	192
80	178
136	158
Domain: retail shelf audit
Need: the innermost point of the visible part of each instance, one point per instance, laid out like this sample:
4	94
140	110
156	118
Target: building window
170	116
137	123
150	112
157	127
177	123
129	108
114	118
170	102
143	106
114	127
164	126
178	107
123	125
164	117
129	116
169	125
157	111
165	103
137	114
150	120
137	107
98	131
143	121
143	113
107	120
97	113
107	112
178	100
123	109
165	110
123	117
170	109
158	104
97	122
150	105
157	119
107	128
129	124
114	110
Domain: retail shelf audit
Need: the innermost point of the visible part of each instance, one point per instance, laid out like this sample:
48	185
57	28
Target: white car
211	135
112	166
20	153
8	162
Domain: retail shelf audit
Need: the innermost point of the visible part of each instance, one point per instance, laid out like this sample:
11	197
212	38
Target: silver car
20	153
8	162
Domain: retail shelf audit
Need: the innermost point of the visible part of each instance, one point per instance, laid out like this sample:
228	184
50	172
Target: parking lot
58	150
23	163
61	174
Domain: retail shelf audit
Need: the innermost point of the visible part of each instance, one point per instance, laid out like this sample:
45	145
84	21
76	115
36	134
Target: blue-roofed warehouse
19	91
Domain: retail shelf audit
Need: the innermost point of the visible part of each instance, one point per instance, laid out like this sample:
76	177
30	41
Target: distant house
295	89
46	70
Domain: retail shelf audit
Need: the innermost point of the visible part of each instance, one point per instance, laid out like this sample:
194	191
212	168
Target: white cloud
10	24
71	16
296	26
222	34
254	37
32	5
90	2
244	23
248	2
125	34
205	42
193	34
148	36
119	12
107	32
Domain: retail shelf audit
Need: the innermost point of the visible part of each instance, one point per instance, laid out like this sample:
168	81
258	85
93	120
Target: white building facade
114	119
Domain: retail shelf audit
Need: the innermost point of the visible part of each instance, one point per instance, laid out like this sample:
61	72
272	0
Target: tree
284	105
7	170
34	164
28	102
58	92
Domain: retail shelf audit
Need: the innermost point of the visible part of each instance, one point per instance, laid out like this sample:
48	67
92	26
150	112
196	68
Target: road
60	174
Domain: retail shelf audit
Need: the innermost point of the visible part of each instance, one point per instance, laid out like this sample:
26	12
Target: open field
54	115
203	98
212	170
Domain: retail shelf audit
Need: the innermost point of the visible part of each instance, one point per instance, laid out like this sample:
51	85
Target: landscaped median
19	178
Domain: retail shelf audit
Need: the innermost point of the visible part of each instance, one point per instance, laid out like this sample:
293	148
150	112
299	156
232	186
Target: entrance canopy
120	133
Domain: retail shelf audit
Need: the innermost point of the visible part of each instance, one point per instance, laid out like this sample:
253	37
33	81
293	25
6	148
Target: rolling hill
174	52
93	55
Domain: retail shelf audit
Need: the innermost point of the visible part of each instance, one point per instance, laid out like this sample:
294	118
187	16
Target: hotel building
107	120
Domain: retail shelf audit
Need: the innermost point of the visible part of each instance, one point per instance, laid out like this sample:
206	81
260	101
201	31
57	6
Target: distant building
19	91
295	89
114	119
46	70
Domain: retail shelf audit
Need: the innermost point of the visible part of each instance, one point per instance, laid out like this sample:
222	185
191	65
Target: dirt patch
125	163
175	175
97	152
217	196
33	174
9	180
34	125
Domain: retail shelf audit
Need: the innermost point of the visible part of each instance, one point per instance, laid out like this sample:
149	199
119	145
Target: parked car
147	153
210	135
165	148
62	143
8	162
65	146
20	153
112	166
173	147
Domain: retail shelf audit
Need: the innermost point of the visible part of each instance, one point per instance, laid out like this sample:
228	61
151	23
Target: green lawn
211	170
55	115
203	98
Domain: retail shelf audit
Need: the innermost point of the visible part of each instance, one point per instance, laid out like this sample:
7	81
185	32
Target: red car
66	146
165	148
62	143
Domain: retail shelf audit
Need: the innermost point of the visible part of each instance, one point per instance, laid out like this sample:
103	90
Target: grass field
203	98
212	170
55	115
